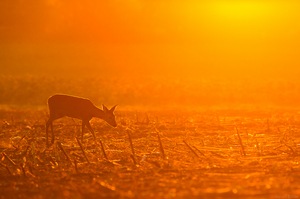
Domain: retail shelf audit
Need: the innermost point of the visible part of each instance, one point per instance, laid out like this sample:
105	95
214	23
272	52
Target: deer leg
47	126
49	123
82	130
52	139
90	128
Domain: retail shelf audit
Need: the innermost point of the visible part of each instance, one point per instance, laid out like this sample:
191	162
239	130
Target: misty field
174	154
207	97
152	92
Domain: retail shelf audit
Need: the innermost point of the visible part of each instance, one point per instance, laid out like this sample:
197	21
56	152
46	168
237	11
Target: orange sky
225	38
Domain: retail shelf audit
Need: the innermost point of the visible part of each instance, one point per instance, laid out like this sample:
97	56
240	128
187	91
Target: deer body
77	107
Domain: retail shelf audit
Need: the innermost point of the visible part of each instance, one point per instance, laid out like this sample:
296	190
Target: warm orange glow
256	37
208	95
245	10
242	40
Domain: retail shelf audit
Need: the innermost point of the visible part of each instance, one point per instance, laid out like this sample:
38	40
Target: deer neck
98	113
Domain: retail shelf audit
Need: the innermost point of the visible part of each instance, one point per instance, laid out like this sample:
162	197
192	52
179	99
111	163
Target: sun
242	10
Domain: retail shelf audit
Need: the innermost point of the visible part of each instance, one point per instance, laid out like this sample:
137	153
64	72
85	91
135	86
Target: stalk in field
77	107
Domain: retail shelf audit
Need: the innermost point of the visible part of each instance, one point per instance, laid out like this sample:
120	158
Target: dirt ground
205	154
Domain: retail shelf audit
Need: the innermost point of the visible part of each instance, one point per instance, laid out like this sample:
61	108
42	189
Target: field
206	93
174	154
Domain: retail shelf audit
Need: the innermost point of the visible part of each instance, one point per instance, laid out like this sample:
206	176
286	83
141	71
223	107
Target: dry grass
171	155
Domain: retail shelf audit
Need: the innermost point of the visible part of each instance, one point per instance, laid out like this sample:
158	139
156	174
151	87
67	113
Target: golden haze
215	40
202	88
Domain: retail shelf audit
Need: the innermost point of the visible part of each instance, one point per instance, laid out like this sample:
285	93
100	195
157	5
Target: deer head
109	116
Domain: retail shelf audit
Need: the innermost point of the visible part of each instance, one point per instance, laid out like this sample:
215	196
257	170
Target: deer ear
105	109
113	108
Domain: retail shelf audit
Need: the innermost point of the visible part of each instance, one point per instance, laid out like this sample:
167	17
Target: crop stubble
160	155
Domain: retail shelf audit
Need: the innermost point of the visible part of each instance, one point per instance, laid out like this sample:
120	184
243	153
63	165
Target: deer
61	105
